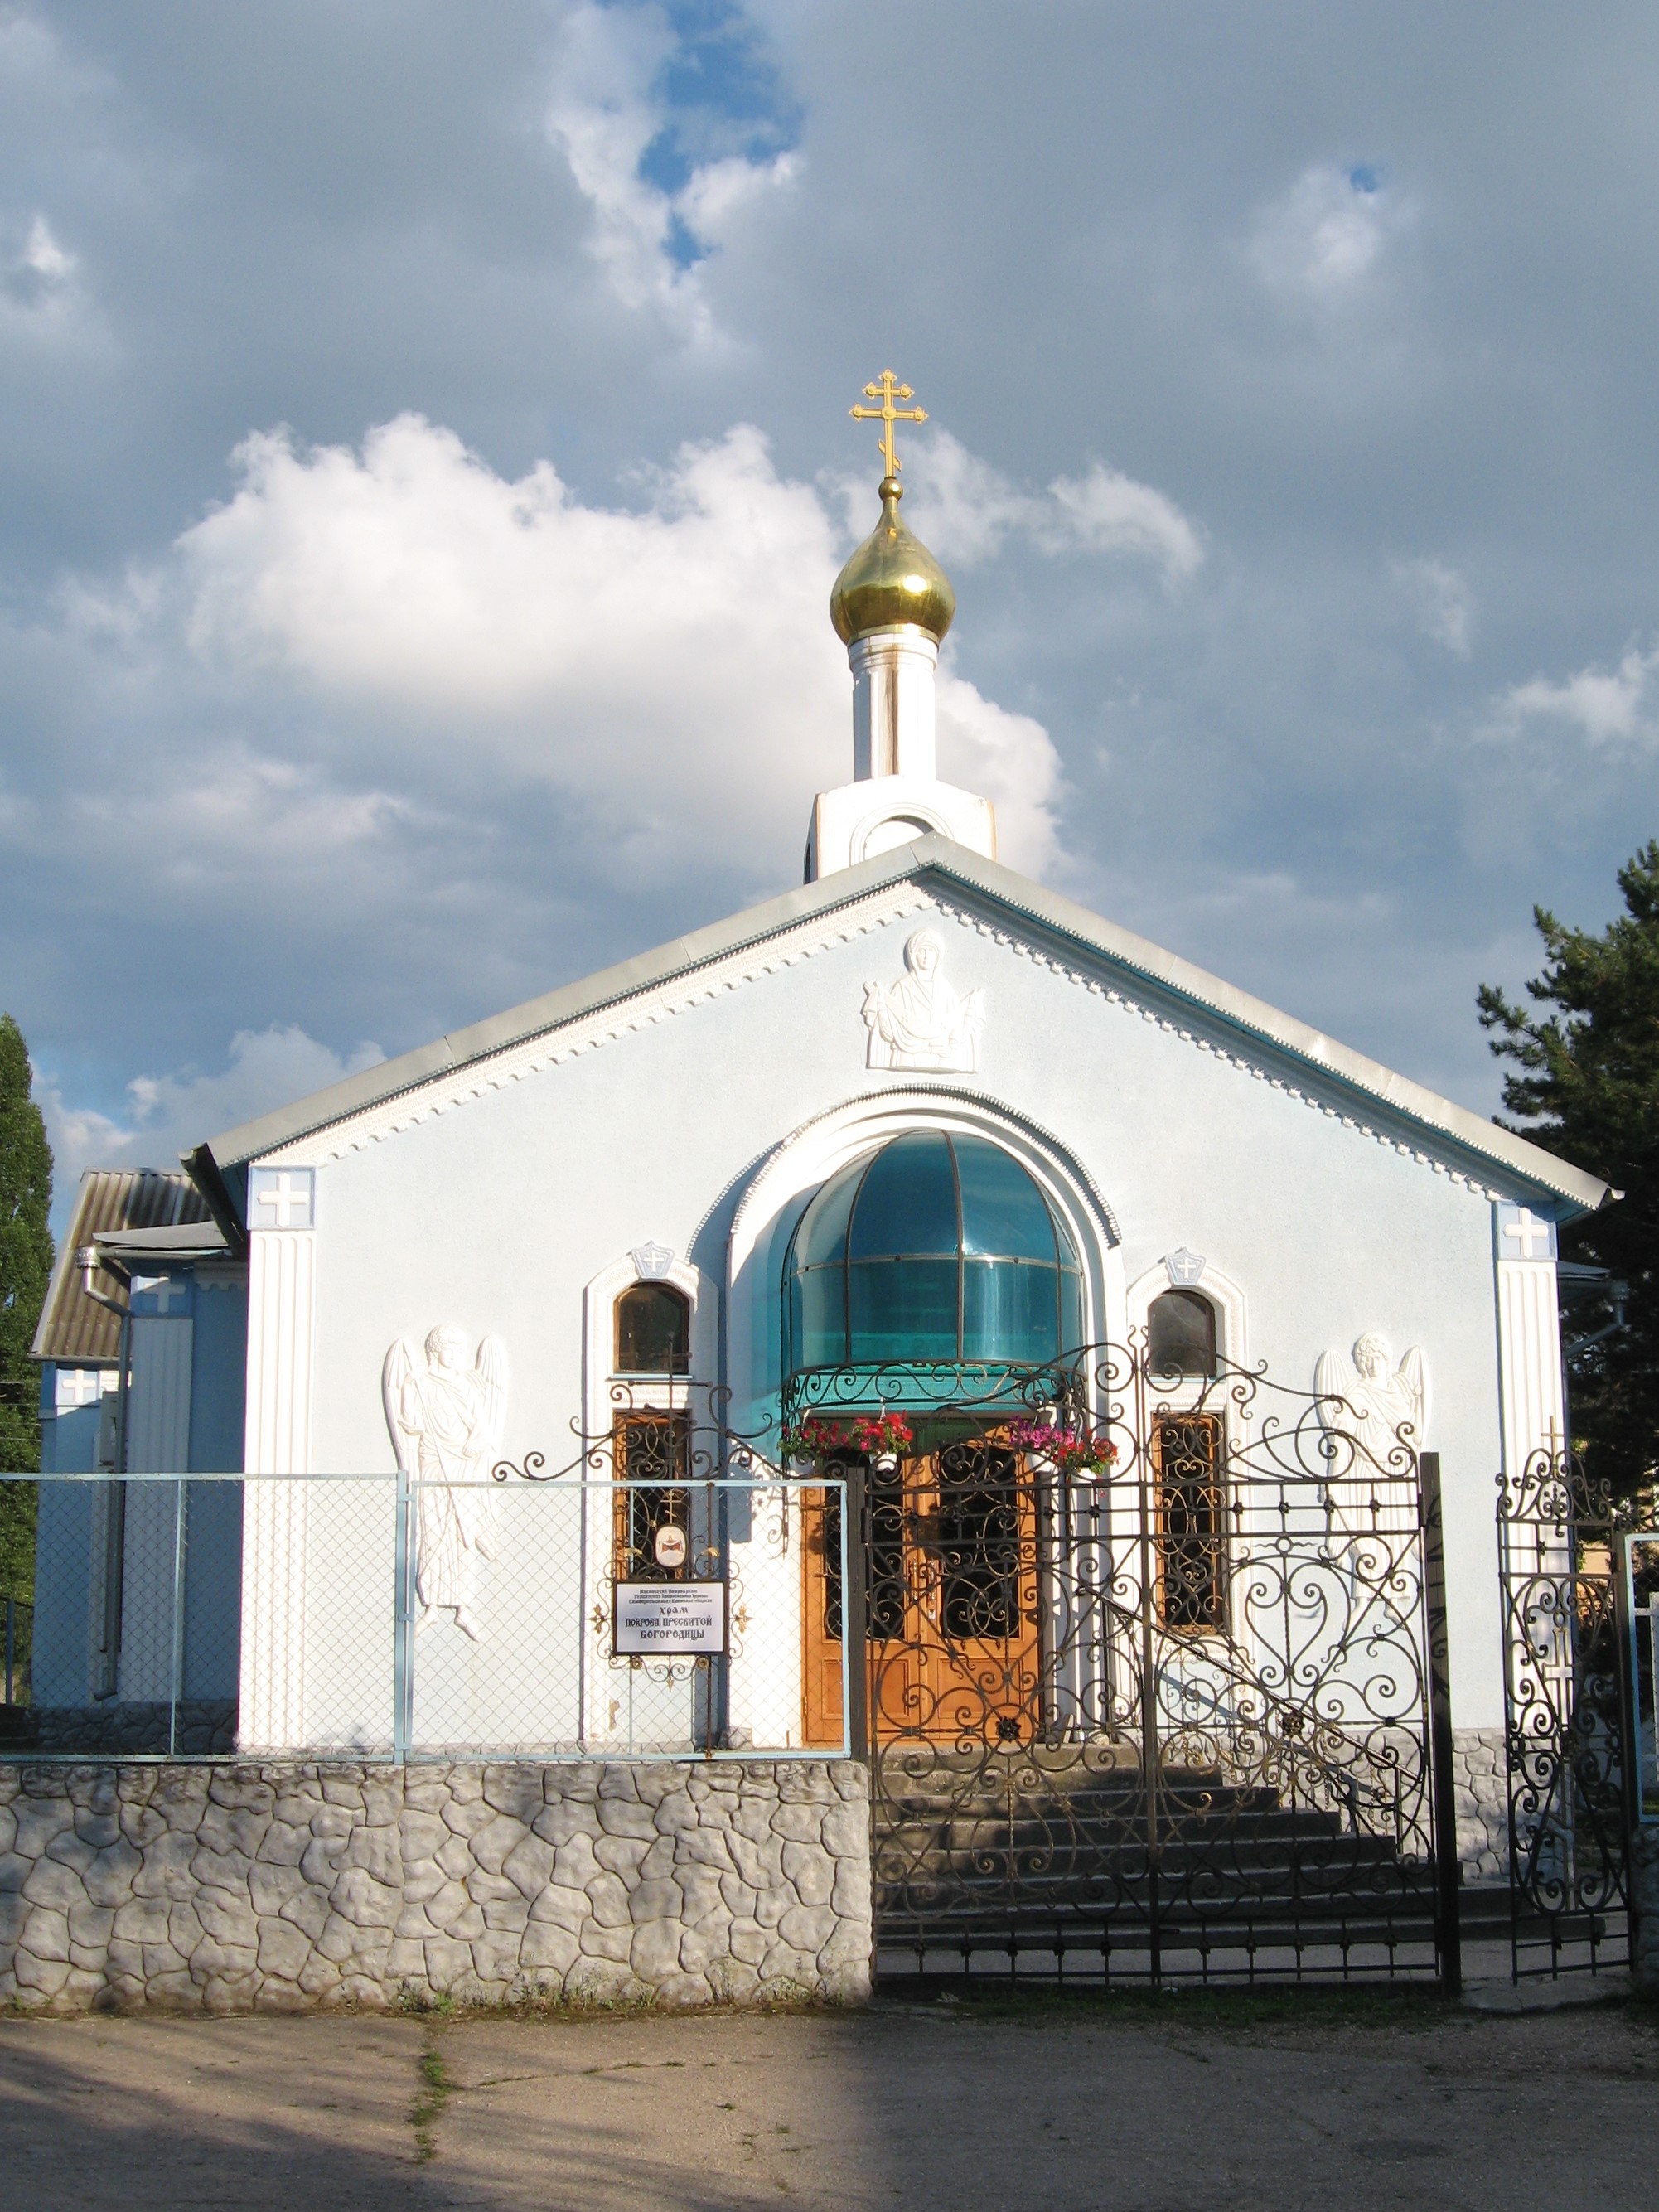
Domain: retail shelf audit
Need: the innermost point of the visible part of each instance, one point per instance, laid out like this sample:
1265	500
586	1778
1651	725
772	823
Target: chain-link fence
374	1617
17	1512
17	1638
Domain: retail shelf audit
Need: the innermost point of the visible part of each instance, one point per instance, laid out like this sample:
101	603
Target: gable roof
1391	1099
110	1205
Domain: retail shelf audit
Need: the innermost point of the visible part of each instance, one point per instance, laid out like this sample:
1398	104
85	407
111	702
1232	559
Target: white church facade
920	1139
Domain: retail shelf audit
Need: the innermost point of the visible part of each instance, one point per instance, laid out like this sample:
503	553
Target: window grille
1191	1522
653	1451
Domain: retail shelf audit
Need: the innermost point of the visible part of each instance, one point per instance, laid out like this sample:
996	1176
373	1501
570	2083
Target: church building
918	1208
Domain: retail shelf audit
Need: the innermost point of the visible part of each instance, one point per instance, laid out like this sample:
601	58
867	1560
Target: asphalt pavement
1155	2105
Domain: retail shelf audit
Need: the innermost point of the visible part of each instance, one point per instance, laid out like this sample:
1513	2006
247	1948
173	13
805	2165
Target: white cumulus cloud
168	1114
1442	601
603	118
1606	706
1007	758
1106	512
669	666
966	509
1326	234
37	274
43	257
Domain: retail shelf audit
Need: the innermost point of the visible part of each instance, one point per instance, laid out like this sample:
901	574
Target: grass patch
425	2002
434	2093
526	2001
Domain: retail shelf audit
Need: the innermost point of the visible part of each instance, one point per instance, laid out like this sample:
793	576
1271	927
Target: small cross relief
282	1198
161	1298
1523	1235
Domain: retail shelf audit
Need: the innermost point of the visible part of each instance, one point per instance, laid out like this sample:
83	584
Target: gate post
1629	1741
855	1605
1448	1942
176	1662
401	1639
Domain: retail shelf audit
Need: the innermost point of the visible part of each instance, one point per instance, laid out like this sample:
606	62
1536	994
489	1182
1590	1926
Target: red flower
870	1436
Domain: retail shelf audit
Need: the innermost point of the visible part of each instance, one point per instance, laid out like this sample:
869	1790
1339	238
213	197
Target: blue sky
425	459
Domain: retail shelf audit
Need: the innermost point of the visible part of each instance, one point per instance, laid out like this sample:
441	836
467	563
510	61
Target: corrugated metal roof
74	1329
148	1247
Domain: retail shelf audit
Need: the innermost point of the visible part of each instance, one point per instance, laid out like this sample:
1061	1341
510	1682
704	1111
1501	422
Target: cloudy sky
425	459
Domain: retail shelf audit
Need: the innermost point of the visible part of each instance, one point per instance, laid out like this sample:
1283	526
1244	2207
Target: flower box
1080	1455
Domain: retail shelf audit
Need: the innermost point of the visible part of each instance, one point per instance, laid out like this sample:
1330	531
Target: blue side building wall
74	1536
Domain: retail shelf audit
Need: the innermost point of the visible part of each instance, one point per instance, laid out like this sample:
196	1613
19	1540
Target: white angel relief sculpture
447	1420
1368	1403
923	1022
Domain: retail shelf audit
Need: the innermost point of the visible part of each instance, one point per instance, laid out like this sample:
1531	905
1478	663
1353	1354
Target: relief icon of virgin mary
921	1022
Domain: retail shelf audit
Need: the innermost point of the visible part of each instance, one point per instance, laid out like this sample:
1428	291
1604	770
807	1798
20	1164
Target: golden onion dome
891	581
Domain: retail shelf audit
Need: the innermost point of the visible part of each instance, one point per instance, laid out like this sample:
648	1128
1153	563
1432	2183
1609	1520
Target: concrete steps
1053	1848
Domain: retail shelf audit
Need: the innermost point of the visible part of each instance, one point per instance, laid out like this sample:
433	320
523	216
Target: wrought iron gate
1147	1691
1568	1717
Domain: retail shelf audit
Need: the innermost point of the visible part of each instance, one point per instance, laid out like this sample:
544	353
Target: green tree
1586	1085
24	1270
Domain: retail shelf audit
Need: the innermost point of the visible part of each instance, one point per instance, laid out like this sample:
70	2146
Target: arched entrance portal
932	1306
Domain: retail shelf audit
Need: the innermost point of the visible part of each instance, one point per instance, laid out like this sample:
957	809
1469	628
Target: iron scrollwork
1565	1722
661	1470
1168	1716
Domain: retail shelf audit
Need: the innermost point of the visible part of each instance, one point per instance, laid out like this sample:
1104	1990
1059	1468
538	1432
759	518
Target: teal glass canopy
933	1248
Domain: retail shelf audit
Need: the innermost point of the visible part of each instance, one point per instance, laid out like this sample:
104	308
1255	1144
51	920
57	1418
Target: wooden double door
950	1574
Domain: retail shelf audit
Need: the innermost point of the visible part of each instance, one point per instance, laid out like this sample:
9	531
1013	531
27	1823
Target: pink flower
1072	1452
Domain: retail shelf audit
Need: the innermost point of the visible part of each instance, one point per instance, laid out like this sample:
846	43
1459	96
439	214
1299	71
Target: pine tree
24	1270
1588	1088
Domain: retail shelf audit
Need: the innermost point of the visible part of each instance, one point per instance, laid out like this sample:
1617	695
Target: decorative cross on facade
1525	1226
166	1290
887	390
282	1197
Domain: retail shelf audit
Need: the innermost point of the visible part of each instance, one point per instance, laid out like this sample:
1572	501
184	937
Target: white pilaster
1529	1335
281	1271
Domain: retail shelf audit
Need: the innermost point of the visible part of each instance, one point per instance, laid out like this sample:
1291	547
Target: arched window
933	1247
653	1330
1181	1334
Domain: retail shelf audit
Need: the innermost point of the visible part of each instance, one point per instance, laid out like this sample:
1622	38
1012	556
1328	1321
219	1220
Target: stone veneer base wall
284	1885
1480	1762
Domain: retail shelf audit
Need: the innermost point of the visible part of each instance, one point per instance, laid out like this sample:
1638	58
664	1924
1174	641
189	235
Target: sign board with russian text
669	1620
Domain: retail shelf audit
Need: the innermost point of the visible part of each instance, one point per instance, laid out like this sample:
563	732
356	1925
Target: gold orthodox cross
887	391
